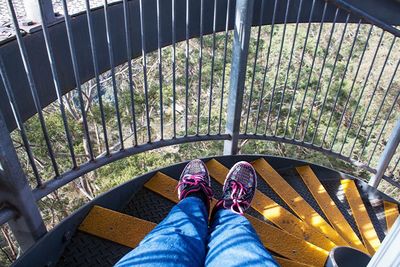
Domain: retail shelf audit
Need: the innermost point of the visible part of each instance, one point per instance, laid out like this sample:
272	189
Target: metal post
388	253
243	22
32	9
16	193
387	155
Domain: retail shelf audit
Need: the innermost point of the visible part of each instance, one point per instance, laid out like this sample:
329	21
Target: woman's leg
180	239
233	240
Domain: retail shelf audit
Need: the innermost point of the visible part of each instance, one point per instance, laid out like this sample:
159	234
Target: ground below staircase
300	213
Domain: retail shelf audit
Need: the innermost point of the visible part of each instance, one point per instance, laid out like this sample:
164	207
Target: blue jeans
184	239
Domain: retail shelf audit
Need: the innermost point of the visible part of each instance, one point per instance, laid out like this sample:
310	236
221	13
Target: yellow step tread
273	238
391	213
360	215
329	207
289	263
295	201
274	212
129	231
117	227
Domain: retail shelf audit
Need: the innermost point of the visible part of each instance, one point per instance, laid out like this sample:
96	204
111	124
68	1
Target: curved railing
133	76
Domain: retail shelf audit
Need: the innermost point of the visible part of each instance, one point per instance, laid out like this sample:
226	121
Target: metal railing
308	73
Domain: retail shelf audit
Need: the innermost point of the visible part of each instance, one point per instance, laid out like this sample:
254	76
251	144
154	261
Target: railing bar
18	120
330	78
352	86
200	66
113	79
57	86
362	91
173	67
380	107
144	62
97	73
372	96
396	165
320	76
129	59
254	66
77	77
160	77
187	69
384	125
266	67
277	68
224	64
288	67
300	68
311	70
32	86
342	80
212	67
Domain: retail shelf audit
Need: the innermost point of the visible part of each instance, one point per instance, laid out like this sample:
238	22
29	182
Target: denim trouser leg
179	240
234	242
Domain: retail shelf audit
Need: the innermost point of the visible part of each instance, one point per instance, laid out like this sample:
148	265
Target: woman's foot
195	181
239	188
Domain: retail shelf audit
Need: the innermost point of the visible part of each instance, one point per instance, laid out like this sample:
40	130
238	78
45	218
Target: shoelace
194	181
238	191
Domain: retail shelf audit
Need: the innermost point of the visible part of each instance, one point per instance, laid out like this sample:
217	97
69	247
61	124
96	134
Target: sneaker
194	178
239	188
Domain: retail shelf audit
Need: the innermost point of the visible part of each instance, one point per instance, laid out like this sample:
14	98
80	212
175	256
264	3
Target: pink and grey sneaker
195	179
239	188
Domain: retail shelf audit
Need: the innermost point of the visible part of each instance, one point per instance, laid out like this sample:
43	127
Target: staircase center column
241	37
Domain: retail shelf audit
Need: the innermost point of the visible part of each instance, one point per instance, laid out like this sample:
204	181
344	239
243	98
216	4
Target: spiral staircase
301	211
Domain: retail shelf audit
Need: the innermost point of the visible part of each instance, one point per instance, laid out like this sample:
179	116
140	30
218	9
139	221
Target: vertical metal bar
386	155
385	123
277	68
330	80
160	75
243	20
372	97
113	79
57	85
18	120
144	62
266	67
200	65
28	226
342	81
212	67
77	76
32	86
97	74
129	59
288	67
173	67
254	66
383	102
320	74
352	86
224	64
187	69
299	72
362	91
